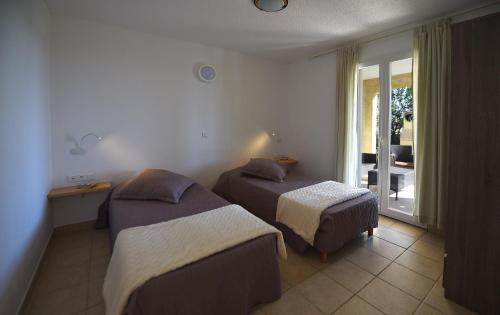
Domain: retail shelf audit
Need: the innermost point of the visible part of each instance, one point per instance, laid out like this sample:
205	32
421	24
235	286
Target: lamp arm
88	134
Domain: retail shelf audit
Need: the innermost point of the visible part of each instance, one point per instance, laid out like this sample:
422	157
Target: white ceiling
305	27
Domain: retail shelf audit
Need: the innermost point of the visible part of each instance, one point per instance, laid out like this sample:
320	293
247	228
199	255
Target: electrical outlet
83	178
204	134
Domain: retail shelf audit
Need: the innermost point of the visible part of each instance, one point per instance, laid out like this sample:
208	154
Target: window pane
401	169
369	110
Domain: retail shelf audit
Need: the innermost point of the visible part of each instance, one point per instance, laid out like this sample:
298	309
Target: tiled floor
71	275
398	271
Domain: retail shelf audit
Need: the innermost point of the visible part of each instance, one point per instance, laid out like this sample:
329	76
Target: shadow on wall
259	145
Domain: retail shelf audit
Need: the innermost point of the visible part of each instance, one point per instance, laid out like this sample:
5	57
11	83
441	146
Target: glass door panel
401	184
368	108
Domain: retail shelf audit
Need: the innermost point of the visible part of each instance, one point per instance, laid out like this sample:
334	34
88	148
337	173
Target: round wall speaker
207	73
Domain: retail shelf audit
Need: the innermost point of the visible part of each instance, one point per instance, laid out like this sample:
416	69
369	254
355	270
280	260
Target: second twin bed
339	223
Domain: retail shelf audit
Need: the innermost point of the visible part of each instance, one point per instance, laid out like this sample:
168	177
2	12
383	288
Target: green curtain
431	68
347	69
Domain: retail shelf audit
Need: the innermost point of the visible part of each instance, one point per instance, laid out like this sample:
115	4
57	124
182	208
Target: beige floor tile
361	240
425	309
388	299
95	292
386	221
96	310
312	257
80	239
433	239
368	260
440	280
428	250
383	247
357	306
408	229
409	281
98	267
67	258
257	311
323	292
285	285
437	300
294	271
51	279
100	235
348	274
420	264
59	302
100	249
291	303
395	237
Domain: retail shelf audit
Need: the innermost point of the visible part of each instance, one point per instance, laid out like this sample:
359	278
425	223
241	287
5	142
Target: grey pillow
155	184
264	168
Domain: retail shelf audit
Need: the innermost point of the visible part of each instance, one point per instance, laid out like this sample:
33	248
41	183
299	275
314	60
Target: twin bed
235	279
229	282
339	223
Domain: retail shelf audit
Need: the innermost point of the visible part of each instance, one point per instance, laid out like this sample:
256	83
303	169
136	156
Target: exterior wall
370	91
371	88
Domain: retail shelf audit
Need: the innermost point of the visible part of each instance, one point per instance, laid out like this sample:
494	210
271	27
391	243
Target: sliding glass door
386	134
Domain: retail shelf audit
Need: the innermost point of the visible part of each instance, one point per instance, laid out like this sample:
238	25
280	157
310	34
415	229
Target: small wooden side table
286	162
78	190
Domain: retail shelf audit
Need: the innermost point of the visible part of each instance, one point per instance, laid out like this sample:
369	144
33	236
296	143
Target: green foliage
401	103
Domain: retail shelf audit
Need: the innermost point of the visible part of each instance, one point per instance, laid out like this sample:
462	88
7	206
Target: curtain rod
401	29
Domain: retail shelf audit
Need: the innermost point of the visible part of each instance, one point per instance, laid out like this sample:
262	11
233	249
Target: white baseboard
25	295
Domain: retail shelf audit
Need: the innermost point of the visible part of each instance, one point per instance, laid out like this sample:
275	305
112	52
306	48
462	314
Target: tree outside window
401	106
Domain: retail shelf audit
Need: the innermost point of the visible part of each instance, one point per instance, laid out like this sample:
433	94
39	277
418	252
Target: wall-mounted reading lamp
78	149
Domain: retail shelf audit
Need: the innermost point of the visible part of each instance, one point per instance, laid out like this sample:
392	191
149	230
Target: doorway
386	135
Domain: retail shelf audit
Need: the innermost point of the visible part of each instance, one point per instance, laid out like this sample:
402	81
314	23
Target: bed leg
324	257
370	231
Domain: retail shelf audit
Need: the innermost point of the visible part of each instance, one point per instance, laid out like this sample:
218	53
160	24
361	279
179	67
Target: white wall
310	123
25	224
310	128
139	92
389	46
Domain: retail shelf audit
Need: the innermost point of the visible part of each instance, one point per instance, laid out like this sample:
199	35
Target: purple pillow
264	168
155	184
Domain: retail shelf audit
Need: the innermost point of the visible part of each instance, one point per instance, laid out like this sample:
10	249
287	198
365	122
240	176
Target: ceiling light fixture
270	5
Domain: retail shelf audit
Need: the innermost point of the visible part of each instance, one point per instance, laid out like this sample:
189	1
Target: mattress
229	282
338	224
